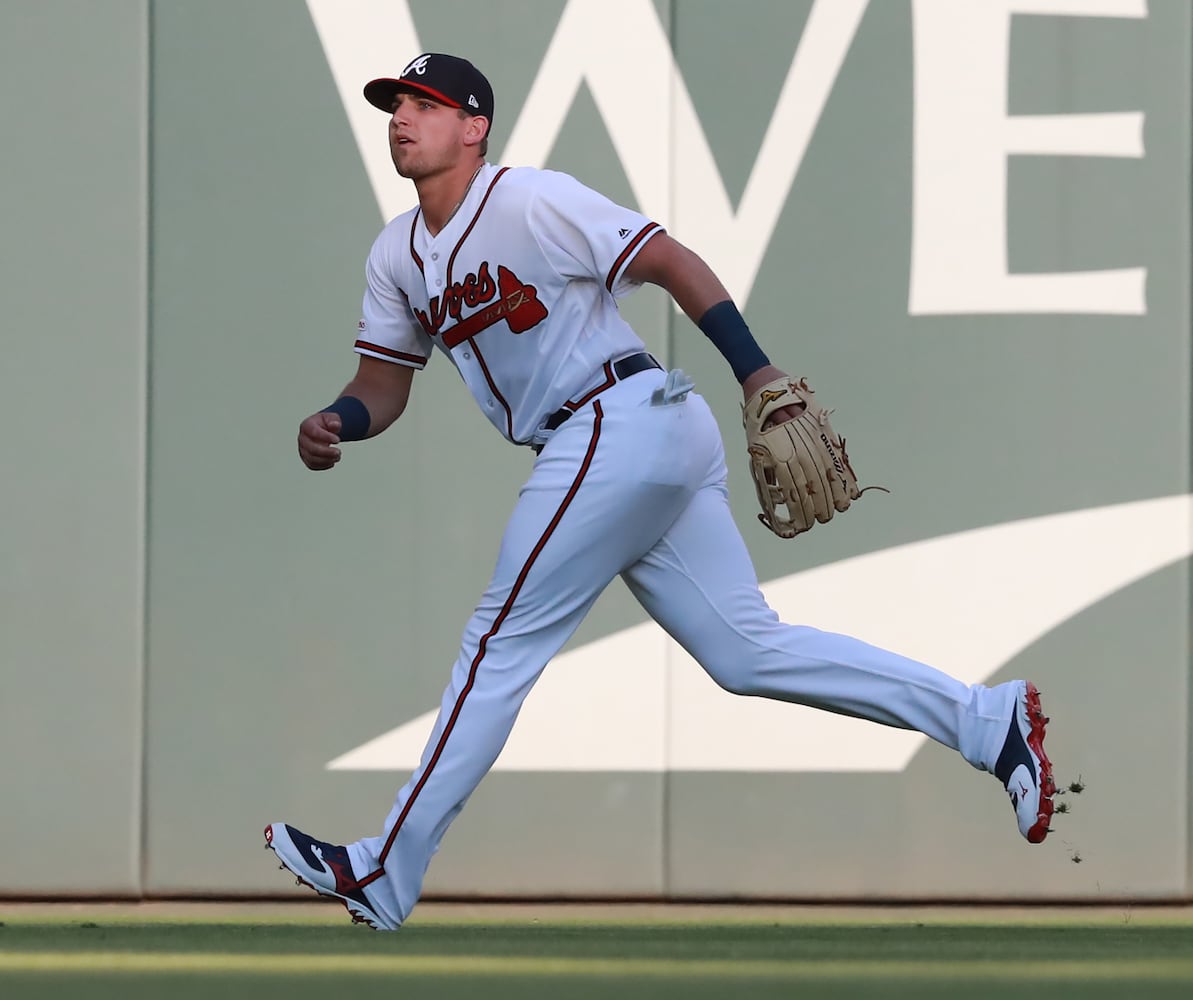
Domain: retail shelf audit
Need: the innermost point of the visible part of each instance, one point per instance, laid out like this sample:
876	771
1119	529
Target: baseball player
513	274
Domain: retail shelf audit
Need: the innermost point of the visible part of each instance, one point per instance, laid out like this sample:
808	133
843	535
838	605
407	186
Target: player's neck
440	196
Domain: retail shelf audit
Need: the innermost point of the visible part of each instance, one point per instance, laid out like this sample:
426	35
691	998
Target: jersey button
434	256
467	356
489	404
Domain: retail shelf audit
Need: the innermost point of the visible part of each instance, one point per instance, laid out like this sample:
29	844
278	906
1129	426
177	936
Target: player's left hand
764	376
798	463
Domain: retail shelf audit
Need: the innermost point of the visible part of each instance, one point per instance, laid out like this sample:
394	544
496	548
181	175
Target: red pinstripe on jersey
509	414
389	352
456	338
610	379
479	209
418	261
474	667
618	264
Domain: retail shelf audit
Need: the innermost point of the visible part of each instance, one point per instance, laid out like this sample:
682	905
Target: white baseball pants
632	488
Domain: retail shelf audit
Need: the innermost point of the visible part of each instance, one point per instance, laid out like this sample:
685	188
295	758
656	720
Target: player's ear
476	130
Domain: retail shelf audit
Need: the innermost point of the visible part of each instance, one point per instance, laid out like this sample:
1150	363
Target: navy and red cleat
327	869
1024	768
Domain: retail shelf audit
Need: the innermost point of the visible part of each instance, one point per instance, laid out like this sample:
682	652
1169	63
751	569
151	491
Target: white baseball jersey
518	289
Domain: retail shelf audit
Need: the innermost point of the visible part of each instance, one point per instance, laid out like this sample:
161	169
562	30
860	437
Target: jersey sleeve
388	329
586	235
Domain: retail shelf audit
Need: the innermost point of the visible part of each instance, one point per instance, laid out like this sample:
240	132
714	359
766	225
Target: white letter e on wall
962	138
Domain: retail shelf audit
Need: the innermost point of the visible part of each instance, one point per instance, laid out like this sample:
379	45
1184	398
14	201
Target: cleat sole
1035	740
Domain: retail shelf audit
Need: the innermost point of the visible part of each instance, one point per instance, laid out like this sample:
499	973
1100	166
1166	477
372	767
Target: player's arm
373	400
666	262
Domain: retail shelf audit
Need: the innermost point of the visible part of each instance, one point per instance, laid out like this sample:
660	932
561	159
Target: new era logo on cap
448	79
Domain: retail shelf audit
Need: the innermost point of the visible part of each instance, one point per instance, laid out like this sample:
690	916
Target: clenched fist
318	436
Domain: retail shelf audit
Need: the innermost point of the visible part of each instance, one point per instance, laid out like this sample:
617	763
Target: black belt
622	369
614	372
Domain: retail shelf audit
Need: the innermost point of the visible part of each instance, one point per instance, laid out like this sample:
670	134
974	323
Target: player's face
425	137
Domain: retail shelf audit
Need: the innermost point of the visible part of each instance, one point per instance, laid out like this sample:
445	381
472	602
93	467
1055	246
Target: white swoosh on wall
967	602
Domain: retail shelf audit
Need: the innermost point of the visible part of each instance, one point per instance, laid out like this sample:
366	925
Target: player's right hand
318	436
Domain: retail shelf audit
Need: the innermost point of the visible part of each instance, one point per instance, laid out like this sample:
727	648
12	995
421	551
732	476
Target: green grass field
576	953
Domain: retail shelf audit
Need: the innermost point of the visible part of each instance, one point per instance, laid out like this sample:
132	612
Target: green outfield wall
967	222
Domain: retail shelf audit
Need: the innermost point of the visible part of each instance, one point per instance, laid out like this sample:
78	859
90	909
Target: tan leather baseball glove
800	468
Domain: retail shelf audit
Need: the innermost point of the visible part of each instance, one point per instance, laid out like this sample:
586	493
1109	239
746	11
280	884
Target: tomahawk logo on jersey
518	305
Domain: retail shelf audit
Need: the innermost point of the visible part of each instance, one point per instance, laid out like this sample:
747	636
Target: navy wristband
725	327
354	418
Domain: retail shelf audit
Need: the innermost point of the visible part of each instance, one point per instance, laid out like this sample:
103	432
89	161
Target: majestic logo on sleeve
516	302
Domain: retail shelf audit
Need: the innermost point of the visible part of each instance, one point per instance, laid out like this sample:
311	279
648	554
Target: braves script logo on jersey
517	303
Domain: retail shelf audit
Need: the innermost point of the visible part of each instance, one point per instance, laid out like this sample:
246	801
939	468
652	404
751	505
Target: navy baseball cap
448	79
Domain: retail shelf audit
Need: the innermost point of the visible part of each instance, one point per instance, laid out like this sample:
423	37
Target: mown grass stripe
336	918
1152	970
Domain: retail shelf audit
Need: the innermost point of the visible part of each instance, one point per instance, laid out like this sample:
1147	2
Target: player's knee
732	677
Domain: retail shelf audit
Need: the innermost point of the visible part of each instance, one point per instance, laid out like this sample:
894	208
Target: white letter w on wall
673	173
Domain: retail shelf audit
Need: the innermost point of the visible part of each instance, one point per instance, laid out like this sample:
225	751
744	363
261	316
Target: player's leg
540	590
699	584
585	513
